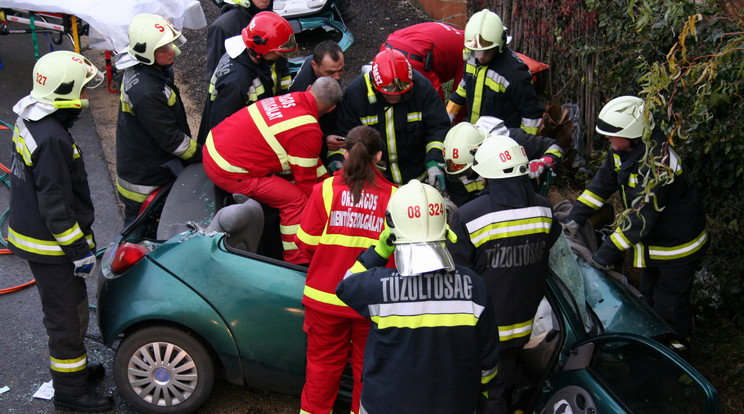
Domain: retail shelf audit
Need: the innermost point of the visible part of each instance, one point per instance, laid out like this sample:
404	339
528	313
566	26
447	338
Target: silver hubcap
162	374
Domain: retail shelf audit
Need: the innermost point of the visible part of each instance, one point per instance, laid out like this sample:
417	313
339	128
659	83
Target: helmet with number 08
59	79
500	157
417	217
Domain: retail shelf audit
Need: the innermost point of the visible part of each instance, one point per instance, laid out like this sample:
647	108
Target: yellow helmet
459	146
59	79
148	32
417	217
623	117
500	157
484	31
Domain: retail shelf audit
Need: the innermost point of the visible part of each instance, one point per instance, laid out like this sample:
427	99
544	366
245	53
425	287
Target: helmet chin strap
72	104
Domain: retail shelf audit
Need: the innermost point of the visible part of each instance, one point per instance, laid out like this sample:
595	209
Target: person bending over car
269	152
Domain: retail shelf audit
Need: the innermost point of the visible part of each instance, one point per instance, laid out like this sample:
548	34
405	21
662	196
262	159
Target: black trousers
64	301
667	290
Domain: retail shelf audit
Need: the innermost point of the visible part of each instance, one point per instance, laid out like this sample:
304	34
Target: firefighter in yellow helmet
419	358
51	216
505	236
496	82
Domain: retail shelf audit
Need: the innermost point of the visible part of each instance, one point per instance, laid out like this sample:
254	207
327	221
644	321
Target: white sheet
109	19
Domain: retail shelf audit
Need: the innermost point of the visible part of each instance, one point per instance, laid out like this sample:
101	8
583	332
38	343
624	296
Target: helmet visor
93	76
453	167
396	87
478	42
417	258
289	46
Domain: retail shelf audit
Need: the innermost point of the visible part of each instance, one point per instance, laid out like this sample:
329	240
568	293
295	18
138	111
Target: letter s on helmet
417	217
459	146
148	32
59	79
484	31
500	157
623	117
391	73
268	32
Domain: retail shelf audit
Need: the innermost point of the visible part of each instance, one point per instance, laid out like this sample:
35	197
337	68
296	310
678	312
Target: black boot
96	371
92	402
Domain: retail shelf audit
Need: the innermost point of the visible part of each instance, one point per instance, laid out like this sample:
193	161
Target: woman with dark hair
344	216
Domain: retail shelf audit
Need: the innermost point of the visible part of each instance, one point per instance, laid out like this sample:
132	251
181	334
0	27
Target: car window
563	264
645	380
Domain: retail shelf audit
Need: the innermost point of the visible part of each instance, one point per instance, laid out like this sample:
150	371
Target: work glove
385	246
537	167
84	266
570	227
334	166
600	263
436	175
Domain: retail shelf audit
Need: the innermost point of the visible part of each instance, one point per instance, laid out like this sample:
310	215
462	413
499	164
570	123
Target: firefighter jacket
439	61
502	88
466	186
152	132
237	83
229	24
433	343
412	131
333	231
509	247
51	211
669	228
277	135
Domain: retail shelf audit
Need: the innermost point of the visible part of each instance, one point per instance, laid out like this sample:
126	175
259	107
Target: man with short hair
327	60
269	152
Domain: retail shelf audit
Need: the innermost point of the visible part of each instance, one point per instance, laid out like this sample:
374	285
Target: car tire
163	370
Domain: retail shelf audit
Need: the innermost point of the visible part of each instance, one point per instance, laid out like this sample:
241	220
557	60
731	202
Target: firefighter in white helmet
496	82
418	357
505	236
464	138
153	139
668	236
50	219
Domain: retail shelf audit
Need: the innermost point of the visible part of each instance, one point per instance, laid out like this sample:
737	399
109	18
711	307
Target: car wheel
163	370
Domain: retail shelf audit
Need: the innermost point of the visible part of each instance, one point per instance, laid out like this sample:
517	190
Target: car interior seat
243	223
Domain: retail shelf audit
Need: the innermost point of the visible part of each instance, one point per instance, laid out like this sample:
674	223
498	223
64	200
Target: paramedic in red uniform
344	216
269	152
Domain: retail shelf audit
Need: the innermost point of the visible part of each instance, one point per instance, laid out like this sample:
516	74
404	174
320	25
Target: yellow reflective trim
302	162
392	148
368	120
347	241
190	151
327	196
357	267
639	259
324	297
414	117
289	230
529	130
435	145
592	200
21	146
617	162
509	229
555	152
137	197
682	250
289	246
171	96
371	97
494	85
217	158
425	321
473	186
32	245
69	365
69	236
321	170
306	238
620	241
488	375
480	76
517	330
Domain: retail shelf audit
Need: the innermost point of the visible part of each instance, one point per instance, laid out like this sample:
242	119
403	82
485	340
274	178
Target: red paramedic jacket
276	135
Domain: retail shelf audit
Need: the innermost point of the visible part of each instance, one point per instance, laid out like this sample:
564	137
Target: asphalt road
24	359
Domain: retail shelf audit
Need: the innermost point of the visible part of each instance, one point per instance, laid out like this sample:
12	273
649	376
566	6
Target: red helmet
268	32
391	73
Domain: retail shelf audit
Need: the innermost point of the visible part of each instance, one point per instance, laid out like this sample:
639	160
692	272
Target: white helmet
623	117
59	79
500	157
459	145
417	218
484	31
148	32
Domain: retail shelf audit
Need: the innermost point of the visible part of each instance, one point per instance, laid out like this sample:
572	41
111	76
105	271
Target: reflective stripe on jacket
332	233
